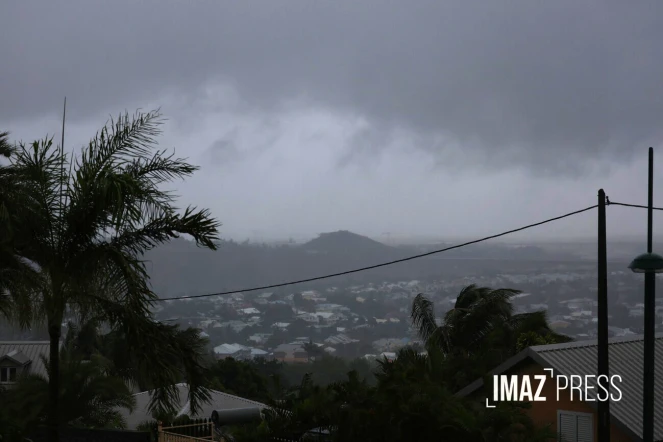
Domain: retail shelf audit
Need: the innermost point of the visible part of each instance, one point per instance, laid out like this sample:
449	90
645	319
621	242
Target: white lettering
509	390
526	390
542	379
577	386
612	381
519	388
599	381
588	387
566	384
496	387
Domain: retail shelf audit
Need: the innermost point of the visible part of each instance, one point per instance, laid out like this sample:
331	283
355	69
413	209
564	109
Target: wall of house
9	364
545	412
290	357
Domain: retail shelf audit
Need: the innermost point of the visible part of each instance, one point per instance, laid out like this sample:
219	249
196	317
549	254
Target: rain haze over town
333	136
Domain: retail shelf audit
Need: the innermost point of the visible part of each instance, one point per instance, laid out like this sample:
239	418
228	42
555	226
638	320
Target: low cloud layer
274	179
447	118
547	85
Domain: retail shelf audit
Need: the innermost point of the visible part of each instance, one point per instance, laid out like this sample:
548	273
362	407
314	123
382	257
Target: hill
345	242
180	268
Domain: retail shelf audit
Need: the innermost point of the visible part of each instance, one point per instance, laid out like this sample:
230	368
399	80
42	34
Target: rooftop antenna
64	116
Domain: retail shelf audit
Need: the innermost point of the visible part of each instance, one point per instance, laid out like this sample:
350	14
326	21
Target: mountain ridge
344	241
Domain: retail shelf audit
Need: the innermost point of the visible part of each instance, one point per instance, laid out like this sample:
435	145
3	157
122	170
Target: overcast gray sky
449	118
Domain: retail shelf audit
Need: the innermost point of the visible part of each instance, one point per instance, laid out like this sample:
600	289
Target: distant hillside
344	242
181	268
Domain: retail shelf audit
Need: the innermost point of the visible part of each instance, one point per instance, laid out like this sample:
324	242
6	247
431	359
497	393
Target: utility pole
603	360
650	321
649	264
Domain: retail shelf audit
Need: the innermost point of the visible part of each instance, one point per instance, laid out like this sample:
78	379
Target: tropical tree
238	378
15	207
480	332
89	397
5	188
94	215
480	313
9	429
409	403
113	349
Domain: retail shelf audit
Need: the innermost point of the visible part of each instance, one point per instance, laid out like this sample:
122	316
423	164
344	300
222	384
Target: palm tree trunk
54	332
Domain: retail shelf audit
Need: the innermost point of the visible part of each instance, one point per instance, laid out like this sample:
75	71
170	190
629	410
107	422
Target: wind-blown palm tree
93	217
480	316
479	333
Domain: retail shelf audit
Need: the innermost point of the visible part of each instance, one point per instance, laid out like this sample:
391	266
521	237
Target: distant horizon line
423	239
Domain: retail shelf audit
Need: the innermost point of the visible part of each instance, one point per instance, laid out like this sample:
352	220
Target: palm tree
94	216
480	316
89	397
113	350
15	206
479	333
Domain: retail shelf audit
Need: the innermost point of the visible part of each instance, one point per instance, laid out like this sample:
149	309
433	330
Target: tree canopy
413	397
75	244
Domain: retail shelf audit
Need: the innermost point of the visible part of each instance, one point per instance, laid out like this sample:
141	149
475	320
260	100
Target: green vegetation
412	398
74	233
480	332
89	397
263	380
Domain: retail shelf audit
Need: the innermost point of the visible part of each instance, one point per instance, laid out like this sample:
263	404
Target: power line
612	203
317	278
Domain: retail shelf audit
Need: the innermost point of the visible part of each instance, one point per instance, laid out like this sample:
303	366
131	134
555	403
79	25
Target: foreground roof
219	401
581	358
23	351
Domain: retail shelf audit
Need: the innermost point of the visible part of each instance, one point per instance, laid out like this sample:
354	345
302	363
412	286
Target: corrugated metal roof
33	350
219	401
626	360
288	348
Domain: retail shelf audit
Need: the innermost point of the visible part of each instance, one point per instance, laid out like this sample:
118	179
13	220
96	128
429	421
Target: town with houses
372	320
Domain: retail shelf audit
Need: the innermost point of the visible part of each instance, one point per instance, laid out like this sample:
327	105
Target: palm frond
158	230
88	396
423	317
118	143
41	174
6	149
536	321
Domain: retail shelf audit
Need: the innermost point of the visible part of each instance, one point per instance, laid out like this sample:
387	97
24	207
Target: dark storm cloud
536	83
224	151
364	144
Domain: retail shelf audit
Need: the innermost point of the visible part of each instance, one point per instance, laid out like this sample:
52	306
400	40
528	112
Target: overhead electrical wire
612	203
384	264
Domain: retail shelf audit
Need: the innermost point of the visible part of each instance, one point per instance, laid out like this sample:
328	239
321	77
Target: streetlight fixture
647	263
650	264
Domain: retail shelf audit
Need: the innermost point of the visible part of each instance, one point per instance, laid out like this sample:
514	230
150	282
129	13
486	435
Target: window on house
7	374
575	427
